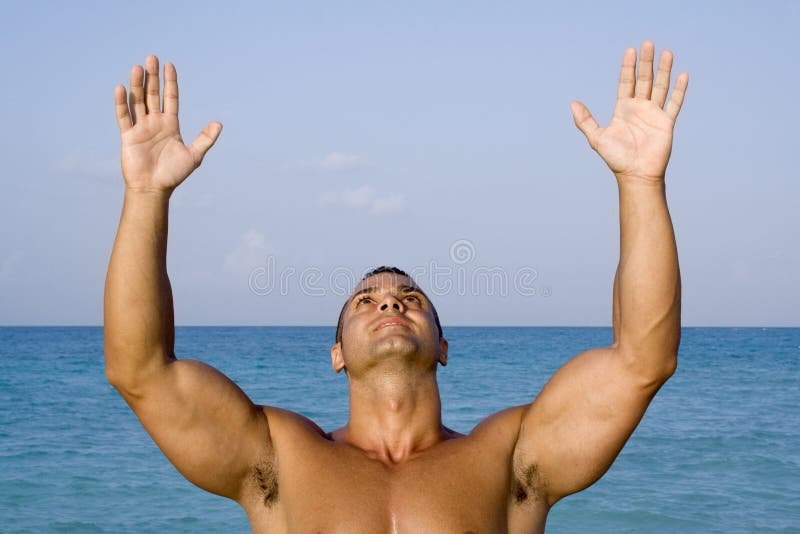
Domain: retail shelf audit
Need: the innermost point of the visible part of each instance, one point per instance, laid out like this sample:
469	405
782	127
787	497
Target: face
388	317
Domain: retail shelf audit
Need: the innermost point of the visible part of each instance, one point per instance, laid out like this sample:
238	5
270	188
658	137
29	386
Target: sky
435	136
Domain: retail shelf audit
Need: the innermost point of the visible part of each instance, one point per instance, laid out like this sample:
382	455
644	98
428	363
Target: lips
389	322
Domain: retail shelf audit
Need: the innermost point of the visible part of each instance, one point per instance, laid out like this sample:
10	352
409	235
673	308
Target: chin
395	346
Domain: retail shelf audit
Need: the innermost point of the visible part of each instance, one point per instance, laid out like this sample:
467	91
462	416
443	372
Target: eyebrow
401	289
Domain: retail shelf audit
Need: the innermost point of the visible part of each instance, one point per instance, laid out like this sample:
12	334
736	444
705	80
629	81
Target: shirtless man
394	467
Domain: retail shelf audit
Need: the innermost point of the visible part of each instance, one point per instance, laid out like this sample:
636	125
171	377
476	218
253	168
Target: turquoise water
718	450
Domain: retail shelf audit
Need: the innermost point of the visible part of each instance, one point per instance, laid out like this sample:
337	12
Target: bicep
205	425
581	419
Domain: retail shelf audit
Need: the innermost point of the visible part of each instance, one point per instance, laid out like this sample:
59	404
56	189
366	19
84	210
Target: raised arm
580	421
202	421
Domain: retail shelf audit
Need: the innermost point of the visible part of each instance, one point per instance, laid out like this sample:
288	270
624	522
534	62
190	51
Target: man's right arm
573	431
201	420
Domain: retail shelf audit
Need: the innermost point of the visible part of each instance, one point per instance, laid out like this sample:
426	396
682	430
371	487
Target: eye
363	299
413	298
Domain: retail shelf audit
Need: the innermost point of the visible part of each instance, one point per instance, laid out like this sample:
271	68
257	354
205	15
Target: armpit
265	478
527	485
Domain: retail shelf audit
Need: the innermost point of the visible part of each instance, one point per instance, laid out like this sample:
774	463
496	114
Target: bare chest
333	488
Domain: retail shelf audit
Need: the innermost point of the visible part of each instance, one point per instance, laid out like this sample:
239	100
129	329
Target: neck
394	416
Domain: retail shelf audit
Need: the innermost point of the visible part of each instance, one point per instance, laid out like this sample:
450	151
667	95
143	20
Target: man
394	467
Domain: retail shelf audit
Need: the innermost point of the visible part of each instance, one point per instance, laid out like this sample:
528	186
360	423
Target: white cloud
333	162
250	252
365	197
339	161
359	197
394	203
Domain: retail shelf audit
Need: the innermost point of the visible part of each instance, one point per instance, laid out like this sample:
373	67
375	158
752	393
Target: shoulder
286	421
498	433
503	425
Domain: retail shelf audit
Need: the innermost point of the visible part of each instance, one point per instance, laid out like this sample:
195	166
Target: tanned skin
394	467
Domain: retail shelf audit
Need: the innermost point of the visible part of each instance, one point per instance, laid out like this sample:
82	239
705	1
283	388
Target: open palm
638	141
154	157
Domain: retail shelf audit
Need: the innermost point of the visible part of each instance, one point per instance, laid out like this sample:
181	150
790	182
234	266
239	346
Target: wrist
631	181
148	192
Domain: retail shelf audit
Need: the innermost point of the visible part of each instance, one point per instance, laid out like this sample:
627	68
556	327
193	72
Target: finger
627	75
584	121
644	74
678	93
136	94
661	86
121	109
170	89
151	84
204	141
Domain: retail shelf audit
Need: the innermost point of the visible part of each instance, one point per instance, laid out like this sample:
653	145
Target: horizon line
334	326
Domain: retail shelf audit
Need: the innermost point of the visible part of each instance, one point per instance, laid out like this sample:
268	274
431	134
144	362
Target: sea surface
717	451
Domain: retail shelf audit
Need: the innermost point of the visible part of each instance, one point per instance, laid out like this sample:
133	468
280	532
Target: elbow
124	377
131	374
657	372
669	357
114	357
112	371
114	376
654	353
662	368
654	367
669	366
111	376
117	377
128	388
129	366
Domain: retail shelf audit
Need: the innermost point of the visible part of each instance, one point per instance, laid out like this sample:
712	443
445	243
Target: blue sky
435	136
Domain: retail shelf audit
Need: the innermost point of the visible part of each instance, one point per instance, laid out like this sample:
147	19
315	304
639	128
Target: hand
154	157
636	145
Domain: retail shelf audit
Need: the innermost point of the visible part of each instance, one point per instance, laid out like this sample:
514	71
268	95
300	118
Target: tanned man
394	467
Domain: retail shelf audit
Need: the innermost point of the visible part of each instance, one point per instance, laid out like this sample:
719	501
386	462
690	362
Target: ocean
717	451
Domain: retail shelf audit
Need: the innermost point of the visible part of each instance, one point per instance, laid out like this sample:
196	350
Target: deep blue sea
718	450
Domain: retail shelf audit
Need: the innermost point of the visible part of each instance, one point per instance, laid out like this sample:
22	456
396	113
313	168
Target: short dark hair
370	274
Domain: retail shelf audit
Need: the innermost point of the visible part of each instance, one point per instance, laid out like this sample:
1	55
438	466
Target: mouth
390	322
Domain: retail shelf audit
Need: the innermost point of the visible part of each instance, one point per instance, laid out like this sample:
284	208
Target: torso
465	484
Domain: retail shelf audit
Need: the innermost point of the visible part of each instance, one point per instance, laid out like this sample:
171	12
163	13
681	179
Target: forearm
615	308
139	328
649	287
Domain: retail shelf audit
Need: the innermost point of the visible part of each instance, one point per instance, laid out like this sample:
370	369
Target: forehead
385	282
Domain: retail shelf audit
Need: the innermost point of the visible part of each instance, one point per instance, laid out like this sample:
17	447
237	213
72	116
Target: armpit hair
527	485
265	478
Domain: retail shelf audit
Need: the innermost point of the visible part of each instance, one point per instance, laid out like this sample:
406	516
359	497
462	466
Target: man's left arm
580	421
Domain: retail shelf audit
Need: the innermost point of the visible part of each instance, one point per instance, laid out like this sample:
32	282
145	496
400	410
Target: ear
443	351
337	362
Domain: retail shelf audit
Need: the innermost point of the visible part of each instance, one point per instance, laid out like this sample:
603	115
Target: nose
389	302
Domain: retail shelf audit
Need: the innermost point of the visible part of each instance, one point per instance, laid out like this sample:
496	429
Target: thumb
204	141
584	120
